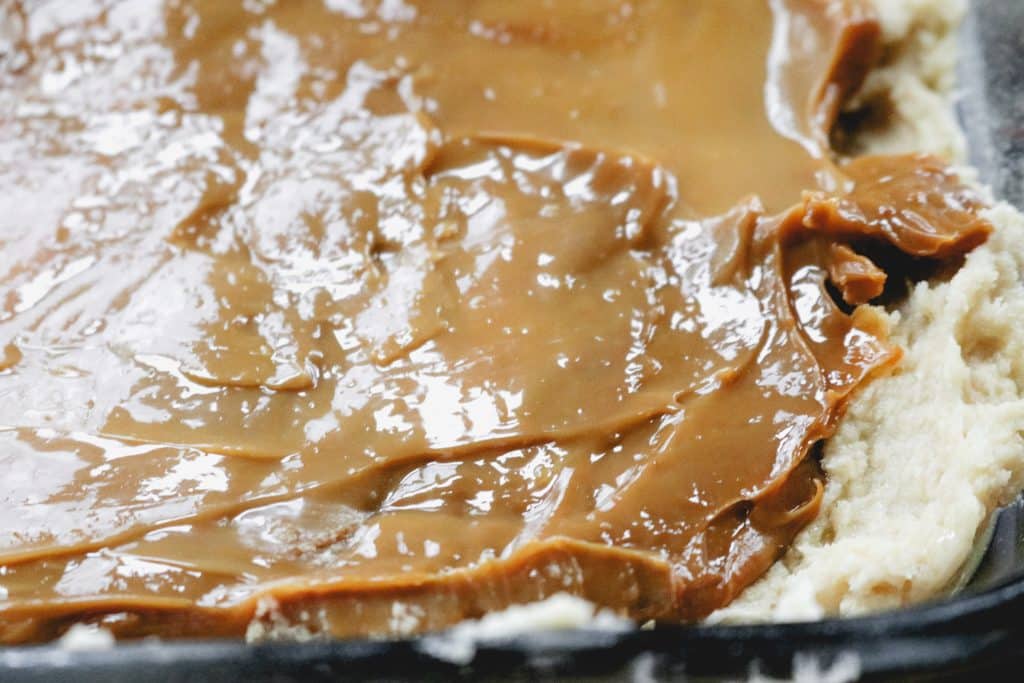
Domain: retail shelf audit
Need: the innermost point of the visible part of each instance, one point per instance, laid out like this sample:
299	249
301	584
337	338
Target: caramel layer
389	314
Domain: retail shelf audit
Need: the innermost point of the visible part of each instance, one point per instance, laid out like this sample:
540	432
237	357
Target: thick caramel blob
387	314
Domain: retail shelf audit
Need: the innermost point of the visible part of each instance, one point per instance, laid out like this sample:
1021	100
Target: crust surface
923	456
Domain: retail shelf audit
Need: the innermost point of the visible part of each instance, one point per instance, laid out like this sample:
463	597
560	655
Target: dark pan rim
943	637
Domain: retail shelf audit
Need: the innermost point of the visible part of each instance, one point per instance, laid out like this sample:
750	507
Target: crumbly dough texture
925	455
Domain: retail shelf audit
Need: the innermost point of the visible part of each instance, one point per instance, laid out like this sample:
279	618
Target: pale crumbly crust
924	456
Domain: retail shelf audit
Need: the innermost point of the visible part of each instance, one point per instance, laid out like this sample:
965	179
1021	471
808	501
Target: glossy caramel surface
371	316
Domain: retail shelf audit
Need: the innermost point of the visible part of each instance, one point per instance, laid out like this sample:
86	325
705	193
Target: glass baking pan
977	632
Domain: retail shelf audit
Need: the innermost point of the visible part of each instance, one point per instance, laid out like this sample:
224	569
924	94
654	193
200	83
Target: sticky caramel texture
373	316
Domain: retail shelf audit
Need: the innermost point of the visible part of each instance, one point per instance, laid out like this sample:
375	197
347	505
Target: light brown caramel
388	314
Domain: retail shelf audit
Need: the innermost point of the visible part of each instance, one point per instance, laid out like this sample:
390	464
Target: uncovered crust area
923	456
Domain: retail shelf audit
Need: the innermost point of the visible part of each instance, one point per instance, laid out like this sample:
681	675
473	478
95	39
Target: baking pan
979	632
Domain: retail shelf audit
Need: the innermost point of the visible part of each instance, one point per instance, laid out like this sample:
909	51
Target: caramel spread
370	316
